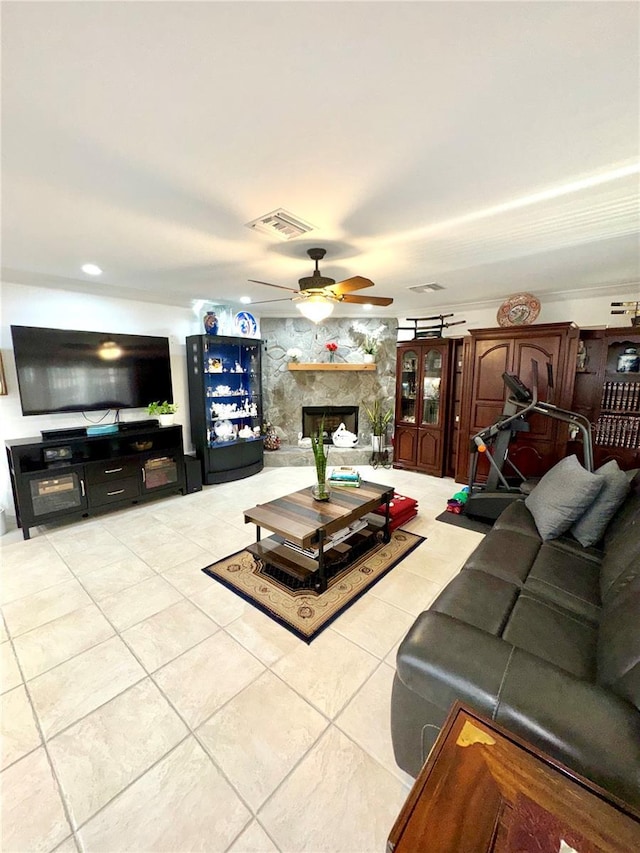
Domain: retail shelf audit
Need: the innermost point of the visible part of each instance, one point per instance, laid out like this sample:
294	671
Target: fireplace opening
333	417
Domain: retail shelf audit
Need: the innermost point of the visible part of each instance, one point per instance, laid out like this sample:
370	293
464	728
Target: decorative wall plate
519	310
246	324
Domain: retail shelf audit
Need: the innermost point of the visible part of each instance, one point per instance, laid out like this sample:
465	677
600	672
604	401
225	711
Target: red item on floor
401	510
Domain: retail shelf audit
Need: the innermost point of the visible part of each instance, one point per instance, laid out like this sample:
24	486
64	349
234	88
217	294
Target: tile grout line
44	744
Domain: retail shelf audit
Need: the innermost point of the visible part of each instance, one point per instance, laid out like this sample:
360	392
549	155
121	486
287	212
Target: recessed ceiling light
91	269
245	300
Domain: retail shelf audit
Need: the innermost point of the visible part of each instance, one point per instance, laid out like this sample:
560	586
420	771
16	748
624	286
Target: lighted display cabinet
225	404
422	393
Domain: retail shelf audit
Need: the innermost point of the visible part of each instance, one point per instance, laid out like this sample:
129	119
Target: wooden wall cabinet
609	397
489	354
422	405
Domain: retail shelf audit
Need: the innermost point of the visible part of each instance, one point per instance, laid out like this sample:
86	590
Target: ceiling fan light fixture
315	307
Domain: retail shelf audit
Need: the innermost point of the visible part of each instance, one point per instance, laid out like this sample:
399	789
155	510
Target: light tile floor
147	708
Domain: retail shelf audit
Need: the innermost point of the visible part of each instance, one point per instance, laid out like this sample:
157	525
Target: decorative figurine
581	358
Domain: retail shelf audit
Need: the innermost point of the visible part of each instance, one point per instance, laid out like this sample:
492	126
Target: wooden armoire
487	354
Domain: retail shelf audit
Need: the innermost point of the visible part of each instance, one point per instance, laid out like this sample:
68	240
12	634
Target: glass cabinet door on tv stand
225	404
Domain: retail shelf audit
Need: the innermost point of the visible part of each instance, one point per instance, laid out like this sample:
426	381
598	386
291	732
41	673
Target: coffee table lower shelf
274	552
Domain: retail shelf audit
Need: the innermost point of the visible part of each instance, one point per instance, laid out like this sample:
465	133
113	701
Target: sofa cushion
622	549
553	634
588	529
518	518
478	599
626	515
562	496
505	554
566	579
619	644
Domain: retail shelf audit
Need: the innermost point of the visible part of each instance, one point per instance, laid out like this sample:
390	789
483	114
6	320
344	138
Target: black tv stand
100	472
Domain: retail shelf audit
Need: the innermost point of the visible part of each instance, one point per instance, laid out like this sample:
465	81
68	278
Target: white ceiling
491	147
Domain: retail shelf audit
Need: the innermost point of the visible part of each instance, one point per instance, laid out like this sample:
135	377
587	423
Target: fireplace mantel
330	365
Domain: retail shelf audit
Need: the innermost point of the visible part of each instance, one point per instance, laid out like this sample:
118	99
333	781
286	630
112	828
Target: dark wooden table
484	789
300	519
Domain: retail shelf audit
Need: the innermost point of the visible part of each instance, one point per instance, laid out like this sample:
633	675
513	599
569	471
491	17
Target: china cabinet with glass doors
422	394
225	405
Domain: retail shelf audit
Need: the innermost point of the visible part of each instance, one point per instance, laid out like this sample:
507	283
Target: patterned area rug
303	611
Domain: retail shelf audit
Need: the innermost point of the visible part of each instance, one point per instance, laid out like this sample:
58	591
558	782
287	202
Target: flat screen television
60	370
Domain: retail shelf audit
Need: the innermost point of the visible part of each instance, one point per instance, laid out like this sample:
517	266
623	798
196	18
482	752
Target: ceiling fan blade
265	301
357	282
268	283
367	300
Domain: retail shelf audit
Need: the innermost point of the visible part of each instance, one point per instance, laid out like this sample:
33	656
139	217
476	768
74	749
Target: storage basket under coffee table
301	545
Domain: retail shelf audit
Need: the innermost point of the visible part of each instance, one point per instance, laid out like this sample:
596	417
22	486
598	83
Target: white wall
33	306
586	311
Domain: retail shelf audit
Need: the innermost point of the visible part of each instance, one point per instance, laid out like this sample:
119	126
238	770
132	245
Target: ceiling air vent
281	224
426	288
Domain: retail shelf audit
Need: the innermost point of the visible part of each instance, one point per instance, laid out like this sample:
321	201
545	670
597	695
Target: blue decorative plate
246	324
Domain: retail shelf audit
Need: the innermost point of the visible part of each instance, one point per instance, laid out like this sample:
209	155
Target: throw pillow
562	496
589	528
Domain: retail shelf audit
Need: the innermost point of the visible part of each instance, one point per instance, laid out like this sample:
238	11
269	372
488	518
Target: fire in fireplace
333	416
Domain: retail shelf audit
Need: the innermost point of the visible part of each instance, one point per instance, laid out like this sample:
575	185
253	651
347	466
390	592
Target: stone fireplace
286	392
312	418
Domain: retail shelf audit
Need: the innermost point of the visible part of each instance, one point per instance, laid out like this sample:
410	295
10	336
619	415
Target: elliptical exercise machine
487	500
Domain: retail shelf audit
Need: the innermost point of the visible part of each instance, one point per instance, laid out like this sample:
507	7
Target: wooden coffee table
308	525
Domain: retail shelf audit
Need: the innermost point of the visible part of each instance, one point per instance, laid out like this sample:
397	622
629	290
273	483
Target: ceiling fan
318	294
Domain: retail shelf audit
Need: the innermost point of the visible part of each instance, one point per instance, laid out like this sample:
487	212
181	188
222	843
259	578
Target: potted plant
164	411
379	420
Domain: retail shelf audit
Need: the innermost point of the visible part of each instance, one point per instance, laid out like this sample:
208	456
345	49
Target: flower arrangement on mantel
293	354
368	340
331	346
